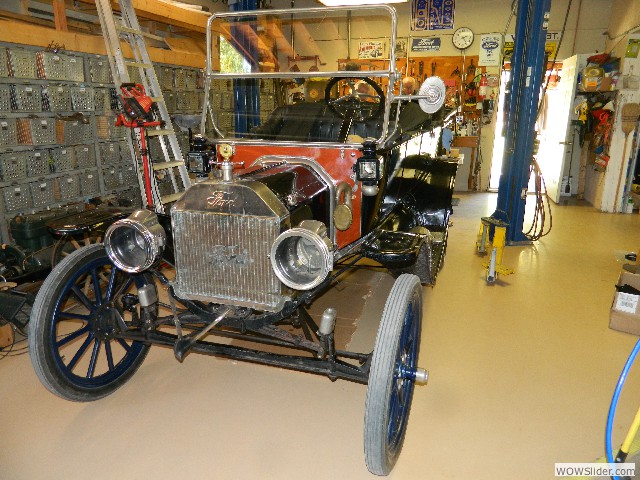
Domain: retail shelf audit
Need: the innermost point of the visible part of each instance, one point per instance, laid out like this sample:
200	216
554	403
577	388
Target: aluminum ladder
129	30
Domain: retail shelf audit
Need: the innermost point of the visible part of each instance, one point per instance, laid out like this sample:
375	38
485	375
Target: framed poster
372	49
401	47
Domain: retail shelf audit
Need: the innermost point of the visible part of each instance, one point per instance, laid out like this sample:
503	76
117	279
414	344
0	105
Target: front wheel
392	375
76	319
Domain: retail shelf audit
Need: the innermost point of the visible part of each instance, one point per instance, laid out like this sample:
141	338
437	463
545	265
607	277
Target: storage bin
56	98
180	78
36	131
89	183
38	163
8	132
165	77
16	197
5	98
13	166
22	63
4	62
99	70
109	153
42	192
26	98
82	99
102	99
50	66
63	159
85	156
111	178
69	187
75	132
74	68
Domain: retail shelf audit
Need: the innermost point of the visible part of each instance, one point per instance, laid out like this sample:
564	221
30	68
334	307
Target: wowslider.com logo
595	469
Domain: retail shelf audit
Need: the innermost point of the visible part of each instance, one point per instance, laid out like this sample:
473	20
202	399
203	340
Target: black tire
74	311
390	389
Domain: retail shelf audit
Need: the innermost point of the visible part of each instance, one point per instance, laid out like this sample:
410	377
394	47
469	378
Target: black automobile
340	168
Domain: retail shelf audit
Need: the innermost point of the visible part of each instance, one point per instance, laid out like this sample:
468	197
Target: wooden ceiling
75	25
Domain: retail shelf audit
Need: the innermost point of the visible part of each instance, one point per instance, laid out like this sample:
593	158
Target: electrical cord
542	208
543	205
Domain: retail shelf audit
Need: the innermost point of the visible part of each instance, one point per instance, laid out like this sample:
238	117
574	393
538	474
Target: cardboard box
625	309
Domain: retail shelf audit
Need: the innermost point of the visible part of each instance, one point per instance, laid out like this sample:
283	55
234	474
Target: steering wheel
363	98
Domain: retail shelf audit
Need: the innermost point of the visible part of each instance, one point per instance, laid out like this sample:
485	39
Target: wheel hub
104	321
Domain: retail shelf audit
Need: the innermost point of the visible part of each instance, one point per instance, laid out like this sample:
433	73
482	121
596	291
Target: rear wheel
67	244
392	374
75	323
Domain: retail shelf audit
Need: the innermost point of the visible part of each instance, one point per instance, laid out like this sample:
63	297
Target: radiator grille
224	259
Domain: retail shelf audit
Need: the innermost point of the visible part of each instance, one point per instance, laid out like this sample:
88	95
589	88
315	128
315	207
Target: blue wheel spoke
82	297
96	286
124	286
124	344
111	285
94	358
80	352
73	316
107	349
72	336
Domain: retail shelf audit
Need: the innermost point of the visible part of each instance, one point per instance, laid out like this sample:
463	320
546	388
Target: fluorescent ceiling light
339	3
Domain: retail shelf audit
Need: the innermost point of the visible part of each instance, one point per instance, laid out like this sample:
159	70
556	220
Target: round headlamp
301	257
136	242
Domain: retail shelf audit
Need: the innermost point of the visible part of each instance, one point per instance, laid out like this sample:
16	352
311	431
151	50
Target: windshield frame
391	73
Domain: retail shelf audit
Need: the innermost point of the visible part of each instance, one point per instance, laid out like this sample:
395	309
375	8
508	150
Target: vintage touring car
284	203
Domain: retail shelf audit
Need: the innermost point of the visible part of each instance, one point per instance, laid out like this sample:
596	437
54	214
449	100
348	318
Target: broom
630	114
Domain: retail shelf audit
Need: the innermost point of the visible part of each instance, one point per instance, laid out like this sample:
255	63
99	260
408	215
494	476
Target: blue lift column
527	70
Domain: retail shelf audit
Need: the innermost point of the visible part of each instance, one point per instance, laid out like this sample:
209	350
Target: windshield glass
314	75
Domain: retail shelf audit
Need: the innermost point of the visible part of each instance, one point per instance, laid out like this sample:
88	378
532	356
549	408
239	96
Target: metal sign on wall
425	44
432	14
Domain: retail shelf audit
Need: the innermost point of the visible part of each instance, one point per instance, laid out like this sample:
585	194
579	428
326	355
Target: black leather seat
312	122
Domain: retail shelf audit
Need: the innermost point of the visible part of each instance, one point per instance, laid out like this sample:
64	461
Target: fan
434	90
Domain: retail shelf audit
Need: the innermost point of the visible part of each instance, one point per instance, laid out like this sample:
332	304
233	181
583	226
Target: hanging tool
420	72
140	112
129	29
433	68
630	114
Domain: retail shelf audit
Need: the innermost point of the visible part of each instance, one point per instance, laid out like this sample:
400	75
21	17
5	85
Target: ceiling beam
60	15
39	36
167	13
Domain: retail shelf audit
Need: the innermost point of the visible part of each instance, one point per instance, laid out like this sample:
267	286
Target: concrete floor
521	377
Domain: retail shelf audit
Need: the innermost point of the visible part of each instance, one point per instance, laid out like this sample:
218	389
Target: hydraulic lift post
527	70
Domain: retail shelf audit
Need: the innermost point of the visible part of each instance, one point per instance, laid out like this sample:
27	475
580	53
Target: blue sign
425	44
432	14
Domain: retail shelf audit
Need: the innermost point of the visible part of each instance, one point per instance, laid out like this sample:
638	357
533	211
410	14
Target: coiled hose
612	412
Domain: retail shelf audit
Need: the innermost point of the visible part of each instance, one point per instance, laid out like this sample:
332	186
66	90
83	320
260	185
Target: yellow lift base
496	247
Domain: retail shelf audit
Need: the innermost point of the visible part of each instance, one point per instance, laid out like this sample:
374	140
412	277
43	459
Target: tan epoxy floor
521	377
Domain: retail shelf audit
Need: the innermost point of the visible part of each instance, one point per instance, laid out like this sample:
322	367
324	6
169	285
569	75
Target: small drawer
89	183
16	197
63	159
69	187
56	98
26	98
111	178
42	192
22	63
13	166
85	156
38	163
